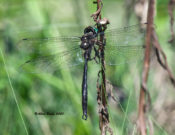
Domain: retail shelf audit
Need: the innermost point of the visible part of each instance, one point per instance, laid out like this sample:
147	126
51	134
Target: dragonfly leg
99	43
96	56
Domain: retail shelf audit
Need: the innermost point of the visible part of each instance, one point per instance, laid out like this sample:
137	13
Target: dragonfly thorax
87	40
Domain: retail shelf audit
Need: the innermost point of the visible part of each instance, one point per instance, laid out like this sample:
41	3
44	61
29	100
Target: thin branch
101	88
143	104
162	60
151	37
97	15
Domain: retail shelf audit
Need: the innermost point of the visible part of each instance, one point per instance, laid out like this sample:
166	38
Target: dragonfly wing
132	35
116	55
51	43
125	45
52	39
49	57
54	62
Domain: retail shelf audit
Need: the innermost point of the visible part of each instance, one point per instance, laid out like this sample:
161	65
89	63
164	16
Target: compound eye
89	29
85	44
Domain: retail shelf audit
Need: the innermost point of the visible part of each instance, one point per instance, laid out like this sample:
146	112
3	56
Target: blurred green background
61	92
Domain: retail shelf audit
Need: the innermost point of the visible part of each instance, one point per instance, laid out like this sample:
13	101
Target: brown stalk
162	60
97	15
101	88
151	37
161	57
143	90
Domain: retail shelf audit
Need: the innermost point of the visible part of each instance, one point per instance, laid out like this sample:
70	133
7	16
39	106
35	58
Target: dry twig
144	91
151	38
162	60
101	88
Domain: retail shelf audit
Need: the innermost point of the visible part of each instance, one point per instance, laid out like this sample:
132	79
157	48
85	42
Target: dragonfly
123	45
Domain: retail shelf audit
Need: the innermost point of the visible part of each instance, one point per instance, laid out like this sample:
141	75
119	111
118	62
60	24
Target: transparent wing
125	45
131	35
51	39
116	55
53	62
48	43
42	55
46	34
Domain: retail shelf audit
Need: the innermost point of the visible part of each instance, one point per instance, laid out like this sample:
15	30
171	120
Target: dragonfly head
90	29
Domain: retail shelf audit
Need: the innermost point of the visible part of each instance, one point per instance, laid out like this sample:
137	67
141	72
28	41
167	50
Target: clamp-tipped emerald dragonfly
124	45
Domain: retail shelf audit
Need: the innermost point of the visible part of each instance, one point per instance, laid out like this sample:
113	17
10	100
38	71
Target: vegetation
23	94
